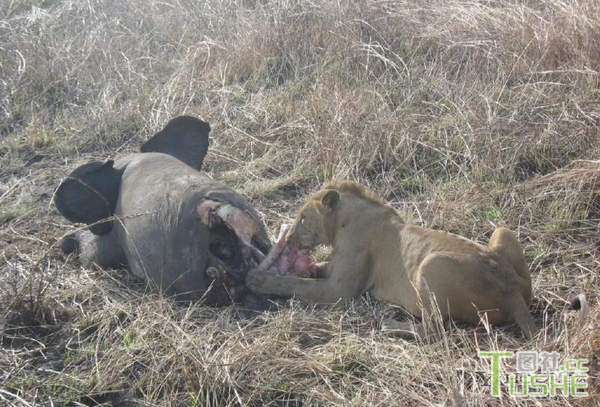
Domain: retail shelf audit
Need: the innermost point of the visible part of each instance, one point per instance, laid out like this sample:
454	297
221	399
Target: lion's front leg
321	269
335	285
270	283
311	290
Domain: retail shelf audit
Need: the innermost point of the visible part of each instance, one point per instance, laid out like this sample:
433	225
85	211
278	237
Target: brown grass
464	115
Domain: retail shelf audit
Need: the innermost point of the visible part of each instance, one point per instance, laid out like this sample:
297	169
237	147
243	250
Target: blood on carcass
286	258
296	262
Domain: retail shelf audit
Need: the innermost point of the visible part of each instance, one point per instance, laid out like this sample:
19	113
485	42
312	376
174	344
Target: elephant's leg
102	250
185	258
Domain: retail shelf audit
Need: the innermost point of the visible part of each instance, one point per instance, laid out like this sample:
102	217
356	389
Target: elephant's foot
89	249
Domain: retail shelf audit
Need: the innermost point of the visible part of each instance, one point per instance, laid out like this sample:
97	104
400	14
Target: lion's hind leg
505	244
454	283
466	285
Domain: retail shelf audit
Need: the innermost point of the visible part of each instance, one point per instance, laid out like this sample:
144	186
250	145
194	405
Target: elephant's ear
89	195
184	137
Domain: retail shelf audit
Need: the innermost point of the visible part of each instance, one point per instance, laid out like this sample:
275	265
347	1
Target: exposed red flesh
296	262
283	258
286	258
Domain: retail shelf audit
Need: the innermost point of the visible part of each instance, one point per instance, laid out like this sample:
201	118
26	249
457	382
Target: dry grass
463	114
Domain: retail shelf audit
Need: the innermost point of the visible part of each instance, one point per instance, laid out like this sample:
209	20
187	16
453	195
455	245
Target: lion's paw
255	280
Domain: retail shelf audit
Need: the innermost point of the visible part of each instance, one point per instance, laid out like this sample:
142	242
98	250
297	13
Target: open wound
284	258
234	245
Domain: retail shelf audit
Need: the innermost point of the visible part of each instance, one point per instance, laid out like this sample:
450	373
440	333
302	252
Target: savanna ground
463	115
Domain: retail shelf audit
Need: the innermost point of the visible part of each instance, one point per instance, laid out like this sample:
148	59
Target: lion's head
314	221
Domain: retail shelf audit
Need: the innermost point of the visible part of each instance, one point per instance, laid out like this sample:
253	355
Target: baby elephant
157	214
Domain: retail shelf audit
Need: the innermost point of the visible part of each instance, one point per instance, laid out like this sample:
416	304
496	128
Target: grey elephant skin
190	236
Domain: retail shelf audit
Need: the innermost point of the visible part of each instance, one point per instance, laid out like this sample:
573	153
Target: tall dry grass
464	115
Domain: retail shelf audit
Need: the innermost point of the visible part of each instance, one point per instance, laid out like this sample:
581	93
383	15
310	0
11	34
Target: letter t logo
496	356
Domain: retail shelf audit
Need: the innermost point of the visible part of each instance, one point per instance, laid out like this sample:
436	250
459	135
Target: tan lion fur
406	265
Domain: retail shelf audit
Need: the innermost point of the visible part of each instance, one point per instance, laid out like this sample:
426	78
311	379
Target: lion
416	268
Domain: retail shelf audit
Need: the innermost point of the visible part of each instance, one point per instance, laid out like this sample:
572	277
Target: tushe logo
538	374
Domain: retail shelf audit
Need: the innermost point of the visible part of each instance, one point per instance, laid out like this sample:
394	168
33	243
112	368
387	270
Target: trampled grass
464	115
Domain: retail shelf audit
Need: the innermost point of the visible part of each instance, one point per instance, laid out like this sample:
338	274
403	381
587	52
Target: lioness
407	265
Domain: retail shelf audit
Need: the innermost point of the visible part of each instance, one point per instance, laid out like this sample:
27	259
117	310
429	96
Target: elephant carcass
187	234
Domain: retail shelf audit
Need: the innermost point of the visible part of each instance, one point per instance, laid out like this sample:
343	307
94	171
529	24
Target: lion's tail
579	303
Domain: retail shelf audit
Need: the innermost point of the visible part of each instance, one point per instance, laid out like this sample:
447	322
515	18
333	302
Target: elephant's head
184	137
89	195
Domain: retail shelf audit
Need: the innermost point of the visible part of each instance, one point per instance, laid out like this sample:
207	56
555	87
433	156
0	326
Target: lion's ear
330	199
